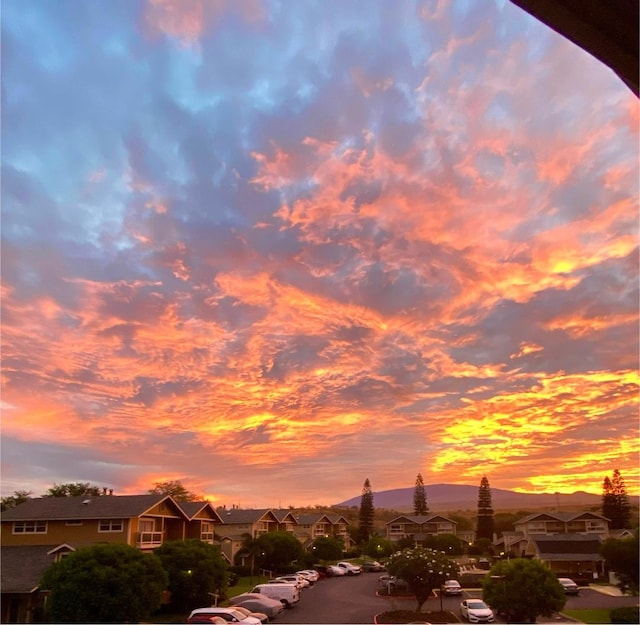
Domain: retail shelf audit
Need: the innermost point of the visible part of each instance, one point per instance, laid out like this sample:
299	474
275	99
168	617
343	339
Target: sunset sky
273	248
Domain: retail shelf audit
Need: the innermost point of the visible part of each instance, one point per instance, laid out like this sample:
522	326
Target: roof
193	508
23	566
282	515
420	519
238	515
564	517
310	519
101	507
567	547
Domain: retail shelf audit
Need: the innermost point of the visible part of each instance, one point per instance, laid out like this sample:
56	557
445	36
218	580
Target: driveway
353	600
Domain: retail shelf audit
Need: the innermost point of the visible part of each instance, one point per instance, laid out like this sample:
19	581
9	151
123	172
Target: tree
75	489
379	547
175	489
485	526
280	549
619	507
621	556
18	497
365	516
523	589
195	570
104	584
251	546
423	570
327	548
420	497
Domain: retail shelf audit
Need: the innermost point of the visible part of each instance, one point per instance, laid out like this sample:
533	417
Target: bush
241	571
630	614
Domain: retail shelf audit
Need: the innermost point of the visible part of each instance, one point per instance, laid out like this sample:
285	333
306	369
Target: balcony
148	540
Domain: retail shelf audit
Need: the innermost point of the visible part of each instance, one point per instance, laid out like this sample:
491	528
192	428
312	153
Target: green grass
598	615
245	584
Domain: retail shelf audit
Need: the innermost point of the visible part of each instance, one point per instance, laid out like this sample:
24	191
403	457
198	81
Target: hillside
451	497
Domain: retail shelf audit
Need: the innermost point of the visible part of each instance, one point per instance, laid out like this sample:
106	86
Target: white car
336	571
476	611
452	587
231	615
350	568
312	576
298	580
247	612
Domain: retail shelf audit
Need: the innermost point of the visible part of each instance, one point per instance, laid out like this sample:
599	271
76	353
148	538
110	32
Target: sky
273	248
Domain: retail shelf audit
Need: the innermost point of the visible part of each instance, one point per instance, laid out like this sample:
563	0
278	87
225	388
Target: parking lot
354	600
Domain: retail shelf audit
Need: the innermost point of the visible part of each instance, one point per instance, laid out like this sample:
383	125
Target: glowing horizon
272	250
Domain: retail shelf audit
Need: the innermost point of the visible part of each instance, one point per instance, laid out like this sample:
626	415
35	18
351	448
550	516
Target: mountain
451	497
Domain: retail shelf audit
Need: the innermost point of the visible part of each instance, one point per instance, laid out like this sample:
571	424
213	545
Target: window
110	525
73	522
206	531
30	527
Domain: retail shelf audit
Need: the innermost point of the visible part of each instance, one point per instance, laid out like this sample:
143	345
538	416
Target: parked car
391	582
311	575
230	615
570	587
350	568
476	611
452	587
322	570
247	612
258	603
298	580
373	567
289	594
335	571
208	619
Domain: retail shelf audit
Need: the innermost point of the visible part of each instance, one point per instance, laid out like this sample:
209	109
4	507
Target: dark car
570	587
373	567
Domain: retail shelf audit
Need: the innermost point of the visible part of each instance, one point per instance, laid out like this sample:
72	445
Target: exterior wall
58	532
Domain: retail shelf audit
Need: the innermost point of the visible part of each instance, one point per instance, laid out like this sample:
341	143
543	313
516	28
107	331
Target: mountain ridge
465	497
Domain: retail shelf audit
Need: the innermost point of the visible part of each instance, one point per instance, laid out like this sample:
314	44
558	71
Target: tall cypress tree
609	507
366	512
420	497
485	525
622	515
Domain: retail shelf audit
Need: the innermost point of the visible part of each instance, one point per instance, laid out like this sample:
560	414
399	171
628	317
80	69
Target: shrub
629	614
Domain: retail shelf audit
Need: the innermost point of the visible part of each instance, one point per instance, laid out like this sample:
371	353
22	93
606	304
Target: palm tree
252	547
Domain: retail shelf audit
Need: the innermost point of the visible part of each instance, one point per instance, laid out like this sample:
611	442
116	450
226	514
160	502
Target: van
288	594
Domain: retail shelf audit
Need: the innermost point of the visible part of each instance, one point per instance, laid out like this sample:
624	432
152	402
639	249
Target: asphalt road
353	600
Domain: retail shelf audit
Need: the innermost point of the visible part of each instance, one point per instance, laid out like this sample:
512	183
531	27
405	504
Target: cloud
283	239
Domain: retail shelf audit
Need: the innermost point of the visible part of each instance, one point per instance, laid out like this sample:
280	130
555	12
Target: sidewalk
612	591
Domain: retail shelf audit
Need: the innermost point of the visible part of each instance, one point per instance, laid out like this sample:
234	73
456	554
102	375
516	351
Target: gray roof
238	515
102	507
567	547
310	519
22	567
191	508
420	519
565	517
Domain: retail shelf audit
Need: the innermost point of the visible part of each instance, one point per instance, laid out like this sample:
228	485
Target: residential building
39	531
564	523
419	527
238	524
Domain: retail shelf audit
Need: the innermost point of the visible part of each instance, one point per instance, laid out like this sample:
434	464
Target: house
239	524
142	521
286	520
419	527
40	531
202	518
568	555
22	569
564	523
